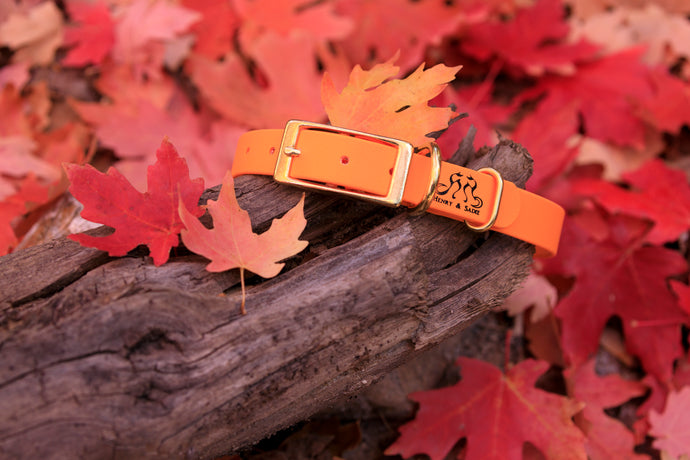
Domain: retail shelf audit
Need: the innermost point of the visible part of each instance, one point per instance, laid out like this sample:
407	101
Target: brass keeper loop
497	201
435	155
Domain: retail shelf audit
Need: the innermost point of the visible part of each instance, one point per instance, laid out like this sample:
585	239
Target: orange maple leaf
231	243
376	103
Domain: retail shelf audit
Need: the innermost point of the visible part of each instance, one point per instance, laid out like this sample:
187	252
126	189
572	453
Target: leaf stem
657	322
244	292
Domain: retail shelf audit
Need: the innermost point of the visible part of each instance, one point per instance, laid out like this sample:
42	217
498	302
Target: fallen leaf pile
596	90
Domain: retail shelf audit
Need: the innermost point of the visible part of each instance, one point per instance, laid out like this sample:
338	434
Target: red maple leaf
482	113
681	375
617	275
497	413
318	20
15	119
605	92
658	193
533	42
30	158
208	143
607	438
16	75
123	88
553	150
683	292
410	30
668	108
142	30
291	88
215	30
93	38
149	218
30	193
671	427
659	394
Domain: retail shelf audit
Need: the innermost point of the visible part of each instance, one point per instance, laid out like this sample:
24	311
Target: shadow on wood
106	357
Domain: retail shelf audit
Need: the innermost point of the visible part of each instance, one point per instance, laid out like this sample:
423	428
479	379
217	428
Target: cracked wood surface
115	358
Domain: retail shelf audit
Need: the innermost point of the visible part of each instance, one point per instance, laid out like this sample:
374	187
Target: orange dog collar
392	173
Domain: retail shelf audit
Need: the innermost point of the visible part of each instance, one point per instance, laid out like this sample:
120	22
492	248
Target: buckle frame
289	149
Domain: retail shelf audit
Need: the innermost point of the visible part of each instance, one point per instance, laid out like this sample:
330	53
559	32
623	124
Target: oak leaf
231	243
497	413
149	218
374	102
671	427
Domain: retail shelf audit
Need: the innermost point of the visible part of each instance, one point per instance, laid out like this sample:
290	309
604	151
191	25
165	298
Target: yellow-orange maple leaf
375	102
231	243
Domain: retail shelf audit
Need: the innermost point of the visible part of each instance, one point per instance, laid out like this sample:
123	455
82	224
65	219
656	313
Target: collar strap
392	173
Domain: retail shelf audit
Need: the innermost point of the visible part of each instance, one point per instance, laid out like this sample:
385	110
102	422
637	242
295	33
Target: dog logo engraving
458	182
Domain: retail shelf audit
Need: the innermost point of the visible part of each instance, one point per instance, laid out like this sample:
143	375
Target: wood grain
116	358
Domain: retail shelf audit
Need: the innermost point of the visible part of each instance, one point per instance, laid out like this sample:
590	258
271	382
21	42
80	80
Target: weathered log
104	357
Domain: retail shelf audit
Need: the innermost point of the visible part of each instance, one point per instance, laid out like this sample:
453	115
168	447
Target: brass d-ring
435	155
497	200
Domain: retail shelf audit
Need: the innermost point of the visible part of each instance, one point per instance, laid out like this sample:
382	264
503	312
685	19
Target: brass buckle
289	149
497	200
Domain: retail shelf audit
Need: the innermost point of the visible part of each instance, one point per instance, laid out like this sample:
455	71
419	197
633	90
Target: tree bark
115	358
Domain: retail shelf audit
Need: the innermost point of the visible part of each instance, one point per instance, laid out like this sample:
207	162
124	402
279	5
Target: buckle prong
291	151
